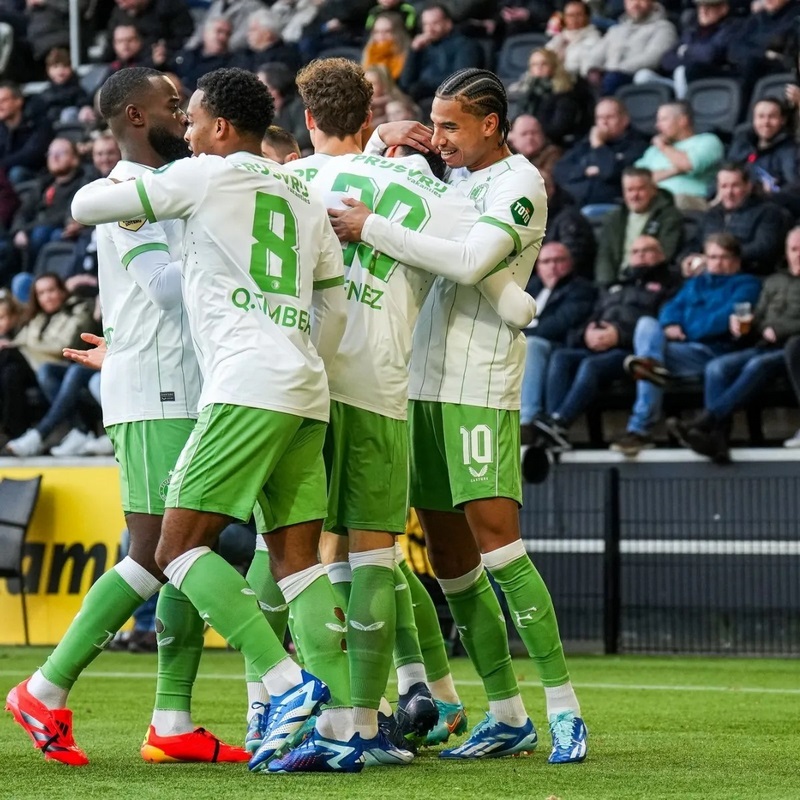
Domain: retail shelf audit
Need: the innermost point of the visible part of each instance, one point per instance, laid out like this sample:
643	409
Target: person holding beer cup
735	379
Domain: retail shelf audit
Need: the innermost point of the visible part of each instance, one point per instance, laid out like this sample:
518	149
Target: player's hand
89	358
348	224
408	132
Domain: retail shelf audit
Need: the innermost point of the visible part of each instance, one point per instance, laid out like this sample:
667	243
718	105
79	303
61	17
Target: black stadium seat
642	101
770	86
715	104
57	257
512	60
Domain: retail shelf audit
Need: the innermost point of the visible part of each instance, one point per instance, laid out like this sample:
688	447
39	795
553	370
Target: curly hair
480	93
337	94
239	97
124	87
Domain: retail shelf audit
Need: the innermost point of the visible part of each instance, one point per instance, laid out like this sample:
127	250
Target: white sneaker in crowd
100	446
794	441
27	445
72	444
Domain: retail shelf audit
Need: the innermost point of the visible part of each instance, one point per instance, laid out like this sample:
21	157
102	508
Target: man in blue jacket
690	331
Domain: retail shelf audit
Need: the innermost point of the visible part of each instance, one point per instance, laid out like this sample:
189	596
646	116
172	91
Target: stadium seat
692	220
92	79
74	131
17	502
487	52
642	101
350	53
512	60
715	104
770	86
55	257
33	87
26	189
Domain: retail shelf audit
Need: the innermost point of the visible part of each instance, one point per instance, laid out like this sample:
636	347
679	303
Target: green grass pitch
716	729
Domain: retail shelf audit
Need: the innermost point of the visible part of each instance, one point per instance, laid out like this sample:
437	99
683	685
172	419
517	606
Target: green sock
180	645
106	607
318	629
477	613
223	598
429	633
534	618
342	591
406	643
371	622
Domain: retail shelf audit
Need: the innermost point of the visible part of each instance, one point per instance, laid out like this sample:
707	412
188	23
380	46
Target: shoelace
487	722
257	705
561	729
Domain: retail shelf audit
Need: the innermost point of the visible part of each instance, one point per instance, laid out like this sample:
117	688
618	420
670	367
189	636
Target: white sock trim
399	555
177	569
293	585
454	585
497	559
339	572
138	578
383	557
261	543
408	675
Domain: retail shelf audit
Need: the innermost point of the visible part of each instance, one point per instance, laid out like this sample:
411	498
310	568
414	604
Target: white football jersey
150	371
370	370
257	242
462	351
308	167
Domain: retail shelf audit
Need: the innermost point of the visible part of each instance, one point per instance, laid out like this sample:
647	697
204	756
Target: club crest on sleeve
132	224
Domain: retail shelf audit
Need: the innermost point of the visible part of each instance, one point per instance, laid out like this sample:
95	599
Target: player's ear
310	124
390	152
491	124
368	122
134	115
222	128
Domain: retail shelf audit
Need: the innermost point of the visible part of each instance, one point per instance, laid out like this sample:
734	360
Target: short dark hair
638	172
434	159
441	7
58	55
337	94
239	97
279	77
682	107
737	167
727	241
281	140
12	87
124	87
480	93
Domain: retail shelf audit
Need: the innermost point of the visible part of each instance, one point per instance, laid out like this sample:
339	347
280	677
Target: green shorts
242	460
366	455
461	453
147	452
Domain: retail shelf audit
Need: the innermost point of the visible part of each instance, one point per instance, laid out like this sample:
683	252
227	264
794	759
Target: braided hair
480	93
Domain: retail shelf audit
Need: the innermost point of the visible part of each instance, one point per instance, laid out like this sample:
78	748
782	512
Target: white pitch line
645	687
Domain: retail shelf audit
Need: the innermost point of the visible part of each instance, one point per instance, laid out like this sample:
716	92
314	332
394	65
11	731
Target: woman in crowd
55	320
384	91
562	103
576	38
387	45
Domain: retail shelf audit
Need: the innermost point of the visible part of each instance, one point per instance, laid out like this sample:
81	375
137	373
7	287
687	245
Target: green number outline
267	242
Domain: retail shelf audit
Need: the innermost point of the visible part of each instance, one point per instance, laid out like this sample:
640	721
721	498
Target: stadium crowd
671	252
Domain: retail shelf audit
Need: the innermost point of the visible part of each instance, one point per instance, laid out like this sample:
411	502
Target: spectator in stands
48	24
289	111
213	53
758	48
591	171
692	329
164	25
562	104
403	109
128	49
638	42
294	17
105	154
265	45
768	148
596	353
521	16
405	11
577	38
387	45
646	210
53	321
17	379
279	145
566	224
338	23
237	12
9	203
527	138
435	53
682	162
56	321
45	216
734	380
64	98
564	300
758	225
383	92
23	139
702	50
